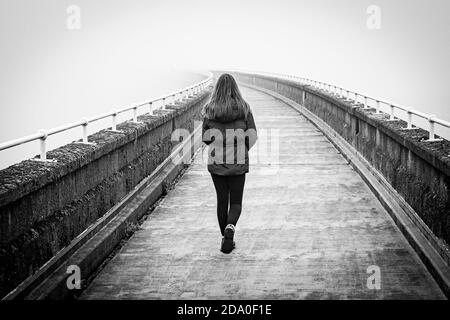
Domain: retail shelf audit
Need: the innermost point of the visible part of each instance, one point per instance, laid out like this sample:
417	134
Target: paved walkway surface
310	229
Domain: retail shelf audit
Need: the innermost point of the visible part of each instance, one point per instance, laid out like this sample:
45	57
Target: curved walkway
310	229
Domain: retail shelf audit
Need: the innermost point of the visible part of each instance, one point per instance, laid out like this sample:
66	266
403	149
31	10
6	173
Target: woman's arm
251	133
206	138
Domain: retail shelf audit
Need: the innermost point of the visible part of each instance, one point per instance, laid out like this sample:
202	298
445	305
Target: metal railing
153	104
365	101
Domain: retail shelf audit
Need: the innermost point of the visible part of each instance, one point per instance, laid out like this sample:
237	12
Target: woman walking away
229	130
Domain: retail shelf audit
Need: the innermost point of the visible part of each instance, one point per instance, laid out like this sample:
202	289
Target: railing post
348	95
431	122
114	121
377	109
365	102
163	106
392	117
150	107
43	145
409	119
85	130
356	98
135	114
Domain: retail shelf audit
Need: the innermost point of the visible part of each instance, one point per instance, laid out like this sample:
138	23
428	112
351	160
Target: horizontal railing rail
365	101
153	104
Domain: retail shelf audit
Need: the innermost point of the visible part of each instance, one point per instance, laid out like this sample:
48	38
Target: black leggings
229	189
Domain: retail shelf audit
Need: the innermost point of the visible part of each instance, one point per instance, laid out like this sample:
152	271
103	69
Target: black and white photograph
229	159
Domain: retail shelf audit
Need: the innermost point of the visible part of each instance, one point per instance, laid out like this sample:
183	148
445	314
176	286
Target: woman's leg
236	186
223	192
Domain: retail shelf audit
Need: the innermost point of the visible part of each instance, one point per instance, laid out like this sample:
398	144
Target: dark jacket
229	139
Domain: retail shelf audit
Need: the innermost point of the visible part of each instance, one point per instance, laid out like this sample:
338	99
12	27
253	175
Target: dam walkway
310	229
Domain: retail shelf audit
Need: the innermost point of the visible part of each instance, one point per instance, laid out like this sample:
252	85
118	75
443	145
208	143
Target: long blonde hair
226	99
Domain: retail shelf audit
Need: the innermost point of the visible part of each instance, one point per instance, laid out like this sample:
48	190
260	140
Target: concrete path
310	229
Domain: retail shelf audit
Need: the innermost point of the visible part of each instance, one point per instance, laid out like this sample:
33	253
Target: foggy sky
48	69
